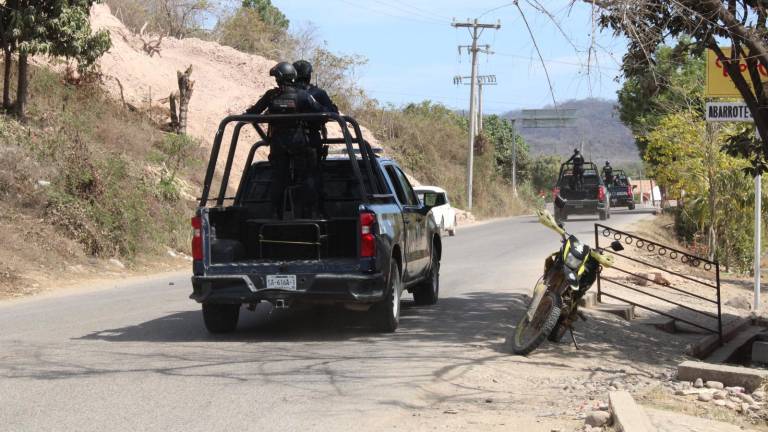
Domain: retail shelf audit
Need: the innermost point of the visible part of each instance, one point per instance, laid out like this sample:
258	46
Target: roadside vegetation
690	159
81	175
105	177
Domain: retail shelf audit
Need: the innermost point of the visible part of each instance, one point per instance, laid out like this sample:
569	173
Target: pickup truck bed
374	241
588	198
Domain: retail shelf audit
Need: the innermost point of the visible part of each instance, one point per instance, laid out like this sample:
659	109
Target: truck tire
427	292
603	215
221	318
631	206
386	314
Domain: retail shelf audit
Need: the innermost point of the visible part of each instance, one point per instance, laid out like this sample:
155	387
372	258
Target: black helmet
607	163
576	151
303	70
284	73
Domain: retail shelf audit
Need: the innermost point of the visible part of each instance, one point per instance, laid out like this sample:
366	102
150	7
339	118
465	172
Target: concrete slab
709	344
660	322
628	416
668	421
589	300
623	310
722	354
730	376
760	352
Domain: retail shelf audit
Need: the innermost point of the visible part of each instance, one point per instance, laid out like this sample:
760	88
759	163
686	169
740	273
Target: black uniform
578	168
289	142
608	174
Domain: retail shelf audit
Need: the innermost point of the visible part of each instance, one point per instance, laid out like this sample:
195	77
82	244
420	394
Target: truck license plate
281	282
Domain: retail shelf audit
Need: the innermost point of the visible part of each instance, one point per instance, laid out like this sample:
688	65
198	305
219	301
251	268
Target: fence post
599	274
719	312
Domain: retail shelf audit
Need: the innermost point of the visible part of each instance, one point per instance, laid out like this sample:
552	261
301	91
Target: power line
389	13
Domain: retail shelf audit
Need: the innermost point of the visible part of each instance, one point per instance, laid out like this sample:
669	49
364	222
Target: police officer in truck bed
292	156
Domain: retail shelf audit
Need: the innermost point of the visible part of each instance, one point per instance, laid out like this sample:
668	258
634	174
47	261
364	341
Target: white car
445	215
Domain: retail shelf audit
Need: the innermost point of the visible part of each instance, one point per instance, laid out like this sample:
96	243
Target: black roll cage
367	157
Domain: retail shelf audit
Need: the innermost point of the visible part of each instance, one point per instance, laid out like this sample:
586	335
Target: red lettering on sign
762	70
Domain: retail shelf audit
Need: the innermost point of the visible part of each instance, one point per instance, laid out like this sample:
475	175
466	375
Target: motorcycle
568	275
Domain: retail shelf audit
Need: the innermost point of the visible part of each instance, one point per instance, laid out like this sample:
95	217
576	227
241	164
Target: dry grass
79	181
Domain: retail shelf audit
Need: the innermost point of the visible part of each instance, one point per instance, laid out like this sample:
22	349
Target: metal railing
635	280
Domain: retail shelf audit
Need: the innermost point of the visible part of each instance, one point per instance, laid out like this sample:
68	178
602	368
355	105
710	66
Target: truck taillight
601	193
555	193
367	235
629	192
197	238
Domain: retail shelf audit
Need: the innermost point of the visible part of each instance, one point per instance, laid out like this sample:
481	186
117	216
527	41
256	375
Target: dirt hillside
227	81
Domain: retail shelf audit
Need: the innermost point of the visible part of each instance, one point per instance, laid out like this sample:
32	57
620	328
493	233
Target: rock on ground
598	418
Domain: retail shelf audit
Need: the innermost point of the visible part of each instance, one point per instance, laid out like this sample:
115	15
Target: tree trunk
186	87
8	59
23	88
174	111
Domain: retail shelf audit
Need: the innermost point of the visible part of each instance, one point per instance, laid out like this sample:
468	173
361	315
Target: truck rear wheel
427	292
631	206
603	215
386	314
221	318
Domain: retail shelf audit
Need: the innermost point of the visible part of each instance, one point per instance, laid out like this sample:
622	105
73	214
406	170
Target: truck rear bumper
584	207
312	288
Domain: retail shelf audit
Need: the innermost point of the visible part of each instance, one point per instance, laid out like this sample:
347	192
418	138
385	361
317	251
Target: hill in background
605	137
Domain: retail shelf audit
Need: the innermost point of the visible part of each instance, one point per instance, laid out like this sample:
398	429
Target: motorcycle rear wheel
528	335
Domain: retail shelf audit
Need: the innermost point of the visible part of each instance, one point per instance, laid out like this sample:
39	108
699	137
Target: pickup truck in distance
588	198
620	189
374	241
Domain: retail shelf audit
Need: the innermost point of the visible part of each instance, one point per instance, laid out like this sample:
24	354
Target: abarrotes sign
728	112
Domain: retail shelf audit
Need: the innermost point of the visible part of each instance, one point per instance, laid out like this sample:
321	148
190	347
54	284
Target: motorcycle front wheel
529	334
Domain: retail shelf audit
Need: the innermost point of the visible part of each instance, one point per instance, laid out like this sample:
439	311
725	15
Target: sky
413	56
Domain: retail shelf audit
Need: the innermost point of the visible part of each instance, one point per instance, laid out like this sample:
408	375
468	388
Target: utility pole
482	81
476	30
758	249
514	158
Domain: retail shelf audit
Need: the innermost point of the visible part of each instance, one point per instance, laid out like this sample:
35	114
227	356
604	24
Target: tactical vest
290	136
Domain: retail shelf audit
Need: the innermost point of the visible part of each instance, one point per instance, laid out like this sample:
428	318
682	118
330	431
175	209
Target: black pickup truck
374	240
586	198
620	189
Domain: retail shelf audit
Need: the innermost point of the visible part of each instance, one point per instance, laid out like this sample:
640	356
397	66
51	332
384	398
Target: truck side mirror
430	199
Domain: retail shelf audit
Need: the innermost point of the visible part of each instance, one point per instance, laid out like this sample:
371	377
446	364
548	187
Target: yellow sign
719	84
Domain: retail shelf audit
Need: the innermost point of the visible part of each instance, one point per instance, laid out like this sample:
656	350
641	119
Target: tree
246	31
685	156
501	133
180	18
648	23
176	18
649	94
59	28
268	13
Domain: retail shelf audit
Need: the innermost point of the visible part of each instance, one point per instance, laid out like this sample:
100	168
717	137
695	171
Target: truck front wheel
221	318
386	314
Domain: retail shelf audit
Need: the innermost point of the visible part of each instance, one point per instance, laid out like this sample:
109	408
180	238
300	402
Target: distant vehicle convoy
582	196
373	241
444	214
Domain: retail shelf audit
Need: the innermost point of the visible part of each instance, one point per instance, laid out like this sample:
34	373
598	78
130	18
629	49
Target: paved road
136	356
